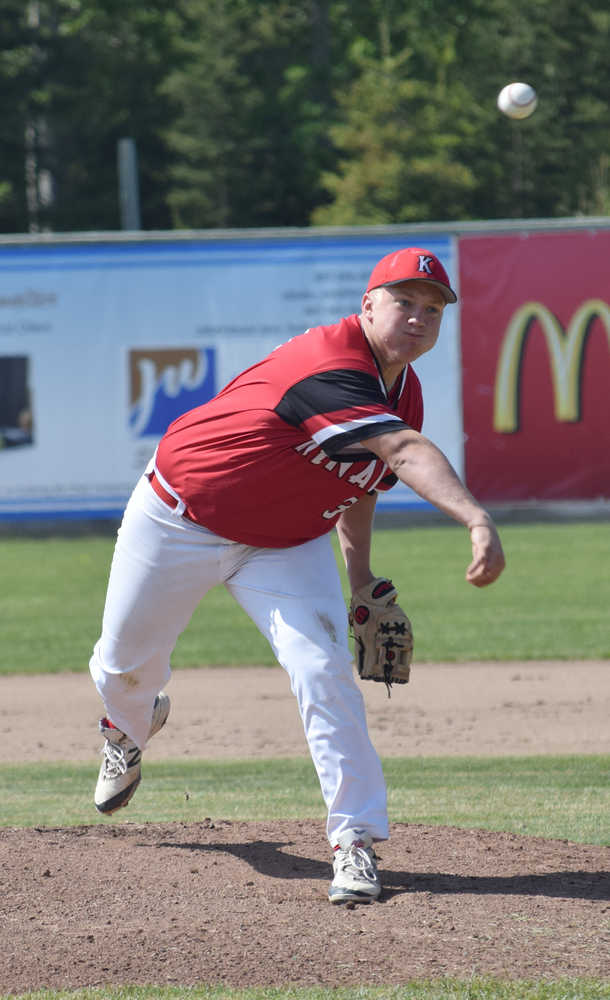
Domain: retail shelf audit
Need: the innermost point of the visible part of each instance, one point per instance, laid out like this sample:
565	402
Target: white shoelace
115	761
359	859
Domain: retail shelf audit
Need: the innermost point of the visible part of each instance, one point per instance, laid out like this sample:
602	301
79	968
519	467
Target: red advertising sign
535	338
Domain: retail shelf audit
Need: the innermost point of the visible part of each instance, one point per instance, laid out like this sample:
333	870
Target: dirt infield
242	904
456	709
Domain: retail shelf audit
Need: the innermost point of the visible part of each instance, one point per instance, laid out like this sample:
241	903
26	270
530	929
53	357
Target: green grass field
555	797
551	602
476	988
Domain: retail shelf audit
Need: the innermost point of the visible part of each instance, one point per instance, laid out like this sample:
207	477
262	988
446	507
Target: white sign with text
103	344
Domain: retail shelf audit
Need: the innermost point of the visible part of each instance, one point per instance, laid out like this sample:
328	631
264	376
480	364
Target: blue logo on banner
166	383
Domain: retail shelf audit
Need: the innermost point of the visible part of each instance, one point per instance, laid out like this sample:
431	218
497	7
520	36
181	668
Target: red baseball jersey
274	459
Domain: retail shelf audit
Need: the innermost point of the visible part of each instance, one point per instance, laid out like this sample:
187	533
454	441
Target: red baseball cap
411	264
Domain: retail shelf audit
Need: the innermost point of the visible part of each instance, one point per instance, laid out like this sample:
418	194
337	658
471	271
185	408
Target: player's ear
367	304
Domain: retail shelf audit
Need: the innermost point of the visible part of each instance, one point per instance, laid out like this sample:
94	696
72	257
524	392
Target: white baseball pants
163	565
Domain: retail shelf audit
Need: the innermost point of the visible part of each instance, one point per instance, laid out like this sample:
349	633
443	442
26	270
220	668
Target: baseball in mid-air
517	100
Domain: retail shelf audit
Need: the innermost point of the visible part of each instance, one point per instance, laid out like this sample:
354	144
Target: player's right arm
418	463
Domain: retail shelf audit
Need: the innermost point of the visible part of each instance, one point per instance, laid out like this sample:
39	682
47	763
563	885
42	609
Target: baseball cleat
120	772
355	865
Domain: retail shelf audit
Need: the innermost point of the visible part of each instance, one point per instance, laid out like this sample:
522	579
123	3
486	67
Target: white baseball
517	100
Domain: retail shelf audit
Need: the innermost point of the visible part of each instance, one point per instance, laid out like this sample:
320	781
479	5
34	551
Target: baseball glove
383	638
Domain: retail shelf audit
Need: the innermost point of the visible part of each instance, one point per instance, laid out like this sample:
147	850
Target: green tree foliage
455	59
554	163
81	74
401	140
105	63
285	112
248	113
17	61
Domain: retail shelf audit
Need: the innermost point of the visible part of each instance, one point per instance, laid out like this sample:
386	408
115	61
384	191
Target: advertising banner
103	344
535	343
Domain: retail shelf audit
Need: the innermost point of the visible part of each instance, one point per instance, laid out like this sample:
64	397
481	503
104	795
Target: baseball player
244	491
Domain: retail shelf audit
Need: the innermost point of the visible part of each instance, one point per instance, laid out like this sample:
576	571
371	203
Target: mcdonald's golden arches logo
565	349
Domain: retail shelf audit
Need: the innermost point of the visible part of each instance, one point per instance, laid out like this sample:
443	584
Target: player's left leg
294	596
162	567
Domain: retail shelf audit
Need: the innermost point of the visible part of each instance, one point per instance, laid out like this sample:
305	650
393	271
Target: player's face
402	322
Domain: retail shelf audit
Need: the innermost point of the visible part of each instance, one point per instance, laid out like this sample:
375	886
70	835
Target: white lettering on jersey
384	469
343	467
363	478
306	447
329	514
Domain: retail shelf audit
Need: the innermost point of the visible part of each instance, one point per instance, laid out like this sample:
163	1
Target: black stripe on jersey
389	481
334	445
327	392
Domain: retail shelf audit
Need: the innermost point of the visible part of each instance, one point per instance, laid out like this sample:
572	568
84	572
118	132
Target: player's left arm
355	530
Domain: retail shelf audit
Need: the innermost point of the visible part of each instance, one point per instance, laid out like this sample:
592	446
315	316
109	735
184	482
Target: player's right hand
487	555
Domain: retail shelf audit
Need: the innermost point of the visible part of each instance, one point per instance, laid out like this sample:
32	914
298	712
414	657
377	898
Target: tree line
255	113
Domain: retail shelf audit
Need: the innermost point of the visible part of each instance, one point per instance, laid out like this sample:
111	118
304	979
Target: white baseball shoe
355	865
120	772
